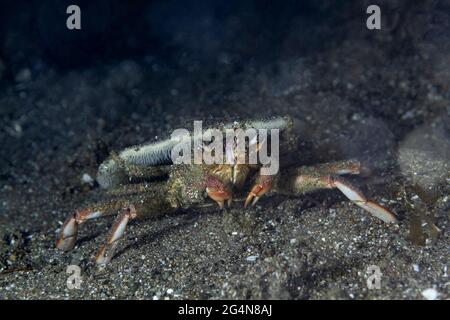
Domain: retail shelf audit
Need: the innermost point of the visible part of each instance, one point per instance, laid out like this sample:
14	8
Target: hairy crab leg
117	231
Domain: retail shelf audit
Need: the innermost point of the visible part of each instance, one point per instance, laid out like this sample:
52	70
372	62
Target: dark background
32	31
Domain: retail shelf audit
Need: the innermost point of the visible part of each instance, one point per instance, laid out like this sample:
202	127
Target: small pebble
430	294
87	179
251	258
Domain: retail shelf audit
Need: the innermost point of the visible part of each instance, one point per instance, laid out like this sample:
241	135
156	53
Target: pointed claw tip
255	200
248	200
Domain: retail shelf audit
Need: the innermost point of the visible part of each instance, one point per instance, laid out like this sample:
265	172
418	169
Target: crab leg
68	234
264	183
69	230
357	197
117	231
339	168
327	176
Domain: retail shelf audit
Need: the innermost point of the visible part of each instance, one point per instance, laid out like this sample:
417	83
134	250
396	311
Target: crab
145	181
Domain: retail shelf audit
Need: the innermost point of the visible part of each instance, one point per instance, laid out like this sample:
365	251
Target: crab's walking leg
326	176
120	197
117	231
69	230
68	234
360	200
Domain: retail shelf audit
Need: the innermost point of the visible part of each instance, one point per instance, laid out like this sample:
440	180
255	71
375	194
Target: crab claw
263	185
217	191
360	200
